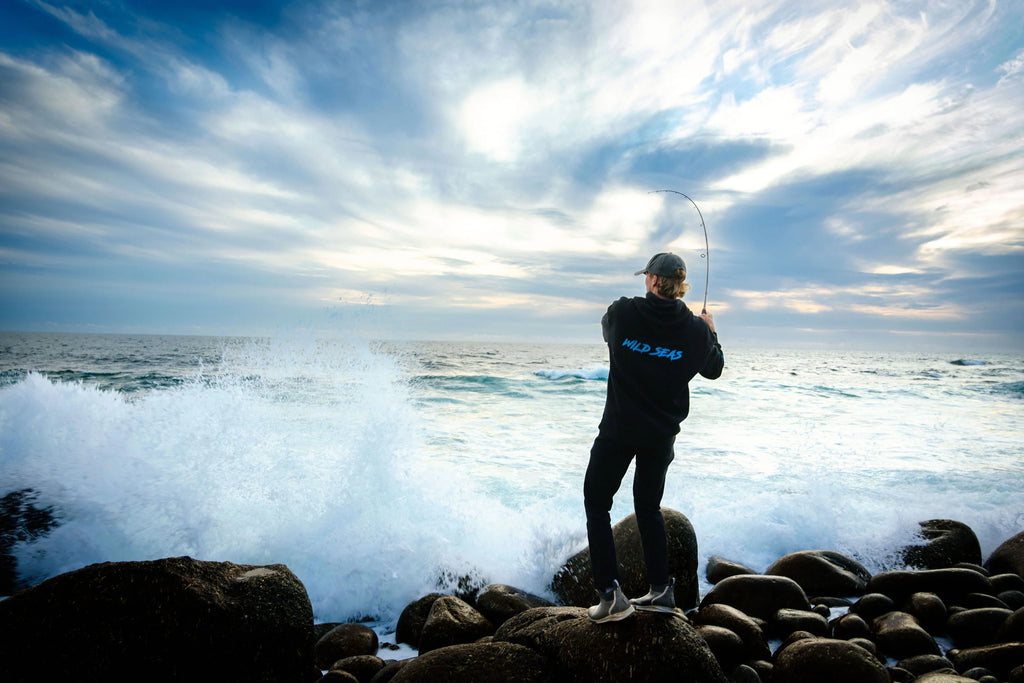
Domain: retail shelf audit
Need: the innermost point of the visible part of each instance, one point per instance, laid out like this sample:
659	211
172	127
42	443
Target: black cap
664	264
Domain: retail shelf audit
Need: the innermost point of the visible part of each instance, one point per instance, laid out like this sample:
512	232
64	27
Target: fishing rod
707	249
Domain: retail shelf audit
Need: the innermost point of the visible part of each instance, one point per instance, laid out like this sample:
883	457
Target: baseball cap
664	264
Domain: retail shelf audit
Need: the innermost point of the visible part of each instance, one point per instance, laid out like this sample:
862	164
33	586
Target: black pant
609	460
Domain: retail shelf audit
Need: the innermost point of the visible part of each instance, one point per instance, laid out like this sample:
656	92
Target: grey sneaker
613	606
658	599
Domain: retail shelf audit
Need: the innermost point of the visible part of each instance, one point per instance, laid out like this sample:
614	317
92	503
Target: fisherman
656	346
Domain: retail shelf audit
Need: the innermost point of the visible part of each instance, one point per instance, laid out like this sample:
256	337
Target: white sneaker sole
614	616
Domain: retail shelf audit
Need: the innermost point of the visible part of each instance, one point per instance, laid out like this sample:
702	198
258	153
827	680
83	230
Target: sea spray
379	471
302	452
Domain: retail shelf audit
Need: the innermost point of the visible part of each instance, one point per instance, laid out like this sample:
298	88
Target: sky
456	170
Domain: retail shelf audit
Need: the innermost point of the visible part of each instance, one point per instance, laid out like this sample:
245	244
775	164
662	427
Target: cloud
475	157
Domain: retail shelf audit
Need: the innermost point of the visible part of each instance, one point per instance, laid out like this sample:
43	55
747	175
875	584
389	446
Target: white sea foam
372	487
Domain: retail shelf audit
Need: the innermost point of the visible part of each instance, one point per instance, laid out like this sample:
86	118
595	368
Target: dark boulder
979	600
726	645
929	610
1000	659
1007	582
873	605
645	647
744	674
345	640
477	663
946	543
1012	629
823	572
755	645
362	667
787	621
850	625
952	585
452	621
573	584
175	619
758	595
943	676
813	660
1008	558
720	568
410	622
899	635
974	627
498	602
922	664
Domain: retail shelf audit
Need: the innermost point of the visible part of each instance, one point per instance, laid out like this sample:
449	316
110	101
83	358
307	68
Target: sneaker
658	599
613	606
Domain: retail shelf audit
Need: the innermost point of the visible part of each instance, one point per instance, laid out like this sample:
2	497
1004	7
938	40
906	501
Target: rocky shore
950	616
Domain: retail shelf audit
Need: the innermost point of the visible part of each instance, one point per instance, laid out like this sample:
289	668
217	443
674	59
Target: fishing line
707	249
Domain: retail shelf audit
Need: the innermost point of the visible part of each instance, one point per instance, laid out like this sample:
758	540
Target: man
656	346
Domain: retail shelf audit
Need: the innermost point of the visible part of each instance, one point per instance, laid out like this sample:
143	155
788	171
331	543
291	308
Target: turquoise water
375	471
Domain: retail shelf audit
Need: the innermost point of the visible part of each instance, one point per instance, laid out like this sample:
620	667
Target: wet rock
814	660
979	600
898	675
873	605
792	638
899	635
410	622
169	620
922	664
929	610
1012	599
943	677
952	585
338	677
1008	558
362	667
758	595
999	659
744	674
720	568
754	644
849	626
1007	582
477	663
390	670
645	647
870	646
452	621
976	626
1012	629
345	640
498	602
726	645
574	582
946	543
823	572
764	668
787	621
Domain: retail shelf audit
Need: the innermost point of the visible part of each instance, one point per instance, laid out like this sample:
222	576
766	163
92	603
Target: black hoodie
656	346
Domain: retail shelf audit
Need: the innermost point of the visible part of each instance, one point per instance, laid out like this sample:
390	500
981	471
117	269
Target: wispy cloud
447	162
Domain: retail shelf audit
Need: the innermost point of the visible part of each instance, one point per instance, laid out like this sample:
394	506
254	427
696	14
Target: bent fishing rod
707	249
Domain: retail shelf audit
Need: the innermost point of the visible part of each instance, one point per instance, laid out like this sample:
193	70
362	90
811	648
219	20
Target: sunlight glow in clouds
485	170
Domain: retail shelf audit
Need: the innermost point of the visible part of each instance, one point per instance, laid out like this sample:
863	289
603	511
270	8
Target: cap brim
640	272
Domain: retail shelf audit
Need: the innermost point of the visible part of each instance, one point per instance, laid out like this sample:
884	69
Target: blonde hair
672	287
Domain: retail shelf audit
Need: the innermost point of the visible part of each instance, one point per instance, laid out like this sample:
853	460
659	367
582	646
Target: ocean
379	472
